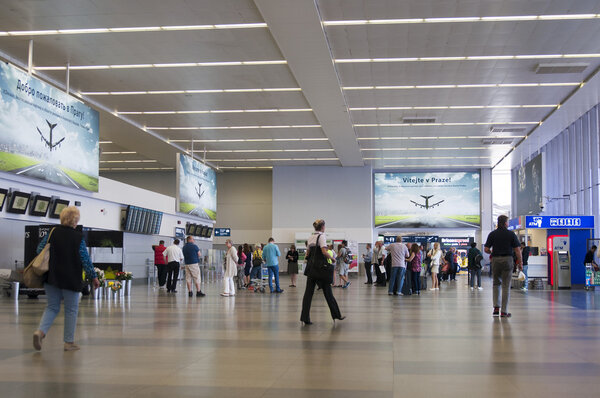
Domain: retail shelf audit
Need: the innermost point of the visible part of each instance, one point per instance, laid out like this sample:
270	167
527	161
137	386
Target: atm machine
561	262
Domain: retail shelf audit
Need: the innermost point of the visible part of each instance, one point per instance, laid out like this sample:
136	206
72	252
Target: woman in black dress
292	257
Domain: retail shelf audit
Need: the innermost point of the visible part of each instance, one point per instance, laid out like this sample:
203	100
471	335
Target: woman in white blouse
435	254
231	260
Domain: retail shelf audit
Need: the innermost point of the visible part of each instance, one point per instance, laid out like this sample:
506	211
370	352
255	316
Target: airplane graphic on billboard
427	206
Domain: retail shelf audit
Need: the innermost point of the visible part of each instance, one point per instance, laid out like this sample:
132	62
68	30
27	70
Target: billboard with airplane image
45	133
427	200
197	188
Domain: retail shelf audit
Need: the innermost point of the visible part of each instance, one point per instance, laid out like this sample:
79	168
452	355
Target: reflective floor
440	344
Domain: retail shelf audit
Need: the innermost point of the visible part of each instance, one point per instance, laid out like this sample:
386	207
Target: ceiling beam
297	29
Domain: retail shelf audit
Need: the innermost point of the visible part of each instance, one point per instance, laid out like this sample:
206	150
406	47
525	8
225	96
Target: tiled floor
442	344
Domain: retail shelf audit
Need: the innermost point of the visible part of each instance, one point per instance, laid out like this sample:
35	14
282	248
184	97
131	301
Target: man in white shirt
399	253
173	256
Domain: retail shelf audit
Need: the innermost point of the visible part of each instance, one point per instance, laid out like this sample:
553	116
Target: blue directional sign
222	231
579	222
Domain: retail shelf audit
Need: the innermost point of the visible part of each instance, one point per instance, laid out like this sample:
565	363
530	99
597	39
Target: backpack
478	259
256	259
348	256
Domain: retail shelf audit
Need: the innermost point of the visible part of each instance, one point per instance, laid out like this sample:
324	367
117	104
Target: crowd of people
404	266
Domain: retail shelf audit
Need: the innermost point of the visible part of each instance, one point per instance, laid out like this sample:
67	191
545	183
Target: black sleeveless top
65	268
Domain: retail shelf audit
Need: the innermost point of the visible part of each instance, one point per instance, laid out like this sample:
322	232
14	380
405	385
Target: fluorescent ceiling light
439	86
246	167
265	150
428	157
435	165
119	153
105	142
171	28
165	65
200	91
293	126
274	160
440	124
441	137
420	149
215	111
465	58
402	108
506	18
129	161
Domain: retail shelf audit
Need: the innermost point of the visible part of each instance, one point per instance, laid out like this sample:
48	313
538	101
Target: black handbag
317	266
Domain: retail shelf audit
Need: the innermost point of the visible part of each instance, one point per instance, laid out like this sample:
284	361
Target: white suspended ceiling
263	83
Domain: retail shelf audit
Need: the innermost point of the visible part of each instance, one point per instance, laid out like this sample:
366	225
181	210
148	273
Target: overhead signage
197	188
427	200
456	242
222	231
515	224
45	133
420	239
581	222
180	232
528	183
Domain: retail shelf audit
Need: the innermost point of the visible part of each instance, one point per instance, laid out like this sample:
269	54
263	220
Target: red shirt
159	259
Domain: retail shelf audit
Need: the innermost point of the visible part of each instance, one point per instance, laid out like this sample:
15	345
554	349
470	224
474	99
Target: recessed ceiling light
504	18
439	124
77	31
464	58
215	111
293	126
403	108
165	65
481	85
199	91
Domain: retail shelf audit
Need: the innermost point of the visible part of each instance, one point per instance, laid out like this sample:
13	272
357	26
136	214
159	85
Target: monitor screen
57	207
208	233
39	206
18	202
190	229
198	231
3	193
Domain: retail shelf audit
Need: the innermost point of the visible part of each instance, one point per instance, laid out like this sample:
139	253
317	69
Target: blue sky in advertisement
45	133
197	188
424	200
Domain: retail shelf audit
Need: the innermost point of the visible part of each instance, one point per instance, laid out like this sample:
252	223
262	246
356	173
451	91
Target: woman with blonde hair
435	254
231	259
63	281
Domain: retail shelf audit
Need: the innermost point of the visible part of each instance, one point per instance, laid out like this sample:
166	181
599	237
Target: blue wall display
569	222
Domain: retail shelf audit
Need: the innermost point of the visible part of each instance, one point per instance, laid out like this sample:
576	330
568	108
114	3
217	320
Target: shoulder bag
33	275
317	266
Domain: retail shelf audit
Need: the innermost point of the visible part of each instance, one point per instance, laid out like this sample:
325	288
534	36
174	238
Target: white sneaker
479	288
471	287
437	288
225	294
433	288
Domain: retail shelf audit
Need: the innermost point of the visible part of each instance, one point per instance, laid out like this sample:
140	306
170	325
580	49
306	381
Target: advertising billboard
197	188
529	187
45	133
427	200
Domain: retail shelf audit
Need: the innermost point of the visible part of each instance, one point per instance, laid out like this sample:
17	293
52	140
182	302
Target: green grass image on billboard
12	161
188	208
379	220
87	182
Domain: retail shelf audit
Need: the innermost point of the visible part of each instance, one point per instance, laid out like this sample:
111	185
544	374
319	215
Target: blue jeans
274	270
71	299
526	282
396	279
475	272
255	273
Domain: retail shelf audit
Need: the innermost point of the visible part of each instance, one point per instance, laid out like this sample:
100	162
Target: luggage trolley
260	284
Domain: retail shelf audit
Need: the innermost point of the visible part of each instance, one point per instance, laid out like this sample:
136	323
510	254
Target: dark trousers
161	270
308	295
368	272
388	272
255	273
172	275
416	281
380	275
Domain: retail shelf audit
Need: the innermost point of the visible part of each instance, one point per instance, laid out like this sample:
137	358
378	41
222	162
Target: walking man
271	255
191	254
500	244
173	257
399	253
159	262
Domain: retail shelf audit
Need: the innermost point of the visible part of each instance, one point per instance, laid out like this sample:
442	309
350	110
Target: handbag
33	275
317	266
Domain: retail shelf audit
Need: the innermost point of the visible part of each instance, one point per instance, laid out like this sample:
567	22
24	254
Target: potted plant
125	278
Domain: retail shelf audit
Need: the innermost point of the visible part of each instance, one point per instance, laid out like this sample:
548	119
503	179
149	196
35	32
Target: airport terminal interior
402	130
